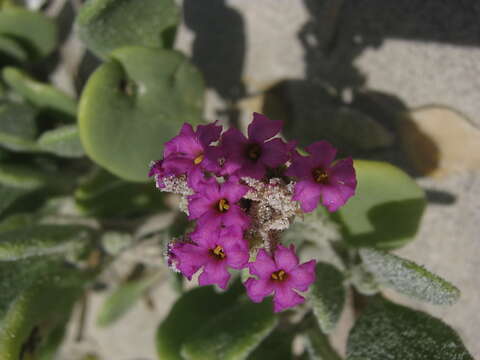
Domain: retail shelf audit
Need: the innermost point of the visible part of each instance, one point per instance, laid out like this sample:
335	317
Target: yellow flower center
320	176
223	205
198	159
218	252
279	275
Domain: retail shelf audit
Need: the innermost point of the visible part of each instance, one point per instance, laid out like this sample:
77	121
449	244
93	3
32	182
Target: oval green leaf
409	278
133	104
63	141
390	331
386	209
327	296
36	33
17	127
11	51
232	334
105	25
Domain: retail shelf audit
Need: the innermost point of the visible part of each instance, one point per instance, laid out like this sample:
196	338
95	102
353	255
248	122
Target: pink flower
255	154
280	274
215	205
214	252
318	178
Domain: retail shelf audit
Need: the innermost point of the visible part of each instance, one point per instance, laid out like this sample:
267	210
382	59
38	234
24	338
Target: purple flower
189	151
215	205
280	274
318	178
255	154
214	252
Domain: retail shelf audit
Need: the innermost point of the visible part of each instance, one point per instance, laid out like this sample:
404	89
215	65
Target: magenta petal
215	272
233	141
198	205
264	266
188	258
235	216
257	290
208	133
210	220
308	194
285	298
184	143
335	196
323	153
285	258
232	190
262	128
343	172
237	255
301	167
274	153
302	276
255	170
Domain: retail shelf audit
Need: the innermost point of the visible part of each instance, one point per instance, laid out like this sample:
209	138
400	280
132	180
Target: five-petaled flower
281	274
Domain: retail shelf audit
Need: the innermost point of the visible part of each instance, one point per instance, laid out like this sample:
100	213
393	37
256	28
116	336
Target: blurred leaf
278	346
123	298
386	210
36	33
8	195
409	278
36	295
115	242
105	25
13	222
105	195
231	334
192	309
49	348
11	51
22	177
318	345
17	127
390	331
363	280
327	296
43	96
63	141
41	240
133	104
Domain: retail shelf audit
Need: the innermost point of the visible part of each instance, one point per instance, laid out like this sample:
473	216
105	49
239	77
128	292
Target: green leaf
133	104
8	195
192	309
123	298
17	127
28	289
42	95
327	296
105	195
105	25
409	278
41	240
22	177
232	334
11	51
318	345
63	141
35	32
278	346
390	331
386	210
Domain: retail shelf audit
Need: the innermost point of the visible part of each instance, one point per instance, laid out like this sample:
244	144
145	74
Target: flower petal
198	205
263	266
262	128
323	153
285	298
235	216
207	134
285	258
335	196
215	272
257	290
237	256
274	153
308	194
232	190
343	172
302	276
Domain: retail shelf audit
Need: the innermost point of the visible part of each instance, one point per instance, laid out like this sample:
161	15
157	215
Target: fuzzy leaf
277	345
327	296
11	51
17	127
34	31
318	345
63	141
41	240
42	95
105	25
192	309
22	177
123	298
390	331
409	278
386	209
8	195
133	104
232	334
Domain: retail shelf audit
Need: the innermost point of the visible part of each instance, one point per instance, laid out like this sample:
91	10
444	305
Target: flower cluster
242	192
